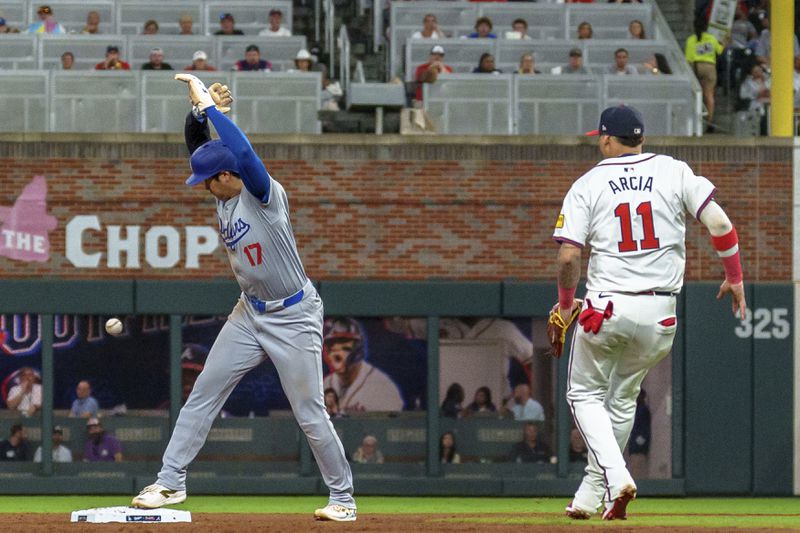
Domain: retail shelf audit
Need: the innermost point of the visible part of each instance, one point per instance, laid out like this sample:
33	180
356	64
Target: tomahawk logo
24	227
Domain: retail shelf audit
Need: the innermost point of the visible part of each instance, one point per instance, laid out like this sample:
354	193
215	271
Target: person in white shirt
359	385
275	29
430	29
26	396
523	407
61	454
519	30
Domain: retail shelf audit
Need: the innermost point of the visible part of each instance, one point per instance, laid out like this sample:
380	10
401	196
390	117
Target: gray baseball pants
292	338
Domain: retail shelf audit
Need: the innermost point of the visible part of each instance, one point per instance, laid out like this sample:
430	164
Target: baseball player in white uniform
279	314
630	209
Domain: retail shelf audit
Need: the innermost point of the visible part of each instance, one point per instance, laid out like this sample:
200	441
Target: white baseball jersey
632	210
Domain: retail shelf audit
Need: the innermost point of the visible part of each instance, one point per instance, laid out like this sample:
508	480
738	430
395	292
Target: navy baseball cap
209	160
620	121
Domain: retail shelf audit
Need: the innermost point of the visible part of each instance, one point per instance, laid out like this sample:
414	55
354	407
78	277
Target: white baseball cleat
155	495
336	513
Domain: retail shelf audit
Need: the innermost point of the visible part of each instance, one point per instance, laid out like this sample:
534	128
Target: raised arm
253	173
726	243
195	132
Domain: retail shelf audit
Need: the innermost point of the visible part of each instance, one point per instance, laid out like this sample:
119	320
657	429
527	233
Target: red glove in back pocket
592	319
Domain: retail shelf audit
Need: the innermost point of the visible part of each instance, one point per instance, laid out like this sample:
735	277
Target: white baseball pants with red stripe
605	374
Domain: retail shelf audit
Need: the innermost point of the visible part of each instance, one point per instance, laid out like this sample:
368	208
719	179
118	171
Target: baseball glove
557	327
222	96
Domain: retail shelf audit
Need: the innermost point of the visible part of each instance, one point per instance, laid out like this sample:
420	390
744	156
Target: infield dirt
292	523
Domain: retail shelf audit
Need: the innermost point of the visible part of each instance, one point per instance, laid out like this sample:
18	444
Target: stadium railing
137	101
507	104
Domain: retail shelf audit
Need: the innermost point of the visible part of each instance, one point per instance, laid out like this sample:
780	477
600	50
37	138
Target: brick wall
392	208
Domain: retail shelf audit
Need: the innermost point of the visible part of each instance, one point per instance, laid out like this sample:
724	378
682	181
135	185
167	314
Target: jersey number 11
627	244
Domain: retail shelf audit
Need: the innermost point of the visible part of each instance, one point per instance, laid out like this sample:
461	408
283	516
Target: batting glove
198	94
222	96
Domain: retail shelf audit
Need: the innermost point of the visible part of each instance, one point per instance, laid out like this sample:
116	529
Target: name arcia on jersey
234	232
631	183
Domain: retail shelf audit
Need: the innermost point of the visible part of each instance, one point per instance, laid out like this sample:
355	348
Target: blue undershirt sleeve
254	175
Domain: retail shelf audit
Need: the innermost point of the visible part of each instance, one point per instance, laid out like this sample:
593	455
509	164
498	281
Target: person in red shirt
428	72
112	61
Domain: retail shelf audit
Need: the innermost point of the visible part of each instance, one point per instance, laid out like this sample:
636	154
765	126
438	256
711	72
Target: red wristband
733	268
724	243
566	297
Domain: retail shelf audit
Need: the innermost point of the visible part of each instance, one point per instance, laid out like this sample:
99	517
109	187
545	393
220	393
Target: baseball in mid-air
114	326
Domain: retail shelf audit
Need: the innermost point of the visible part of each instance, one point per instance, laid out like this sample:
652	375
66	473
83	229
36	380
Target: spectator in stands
368	452
451	406
519	30
527	65
67	61
275	28
100	446
754	93
530	449
47	23
5	28
657	64
701	51
85	405
430	29
486	65
429	72
447	449
15	447
156	61
26	395
483	29
641	434
585	30
481	403
636	30
796	82
764	44
303	61
332	403
227	26
150	28
185	23
743	33
252	60
112	61
523	407
621	66
61	454
575	63
200	62
578	453
92	26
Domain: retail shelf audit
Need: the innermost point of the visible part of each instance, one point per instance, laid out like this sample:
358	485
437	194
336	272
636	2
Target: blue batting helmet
209	160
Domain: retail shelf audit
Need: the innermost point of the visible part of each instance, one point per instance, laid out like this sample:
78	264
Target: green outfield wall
731	402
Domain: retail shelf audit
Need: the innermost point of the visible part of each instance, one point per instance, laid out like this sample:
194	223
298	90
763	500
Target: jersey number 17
627	244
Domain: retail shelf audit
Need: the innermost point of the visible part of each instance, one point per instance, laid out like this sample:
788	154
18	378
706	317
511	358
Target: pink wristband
566	297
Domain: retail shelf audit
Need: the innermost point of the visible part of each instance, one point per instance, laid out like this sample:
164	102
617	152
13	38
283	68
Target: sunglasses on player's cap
620	121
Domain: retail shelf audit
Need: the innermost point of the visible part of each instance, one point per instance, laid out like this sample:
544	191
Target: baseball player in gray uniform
279	314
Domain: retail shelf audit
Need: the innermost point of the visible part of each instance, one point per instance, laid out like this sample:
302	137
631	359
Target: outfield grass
697	512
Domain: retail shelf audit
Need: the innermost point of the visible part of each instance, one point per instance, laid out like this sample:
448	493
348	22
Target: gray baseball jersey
260	244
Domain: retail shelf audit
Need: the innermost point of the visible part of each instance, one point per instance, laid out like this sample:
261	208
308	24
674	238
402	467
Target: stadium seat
557	105
19	51
132	14
277	102
251	16
107	102
16	14
471	103
72	13
280	51
24	106
87	49
178	49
